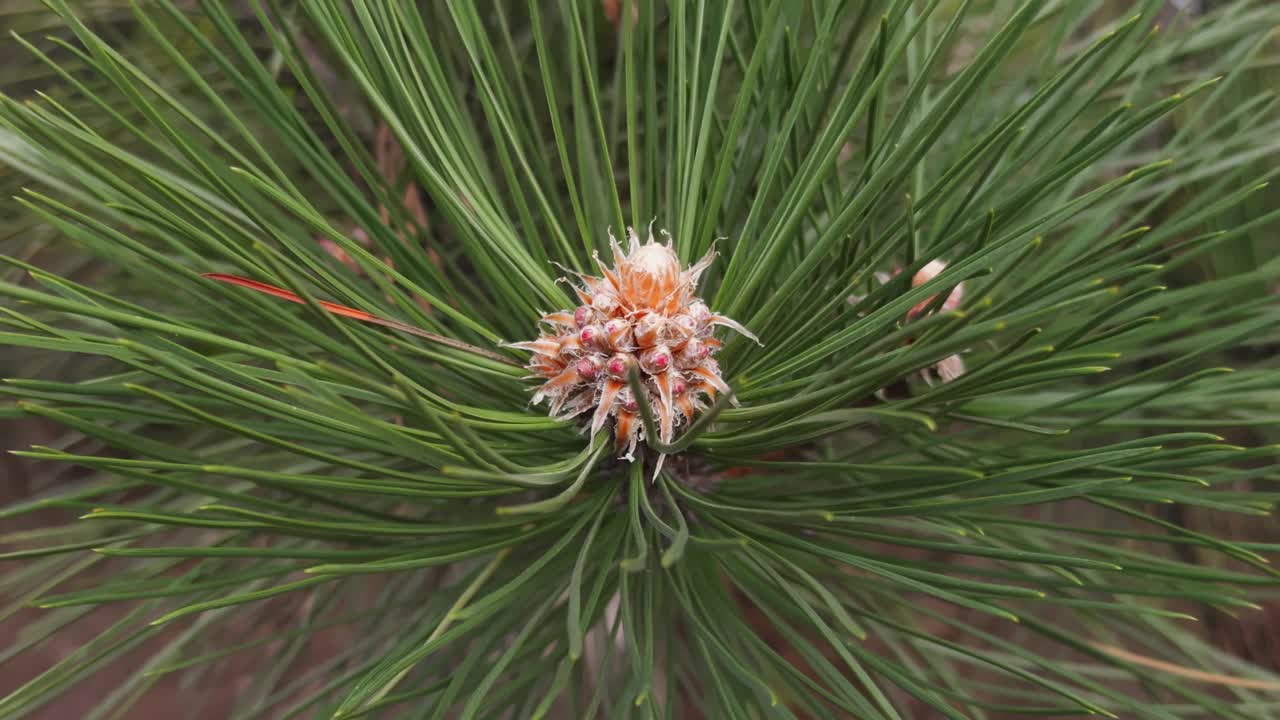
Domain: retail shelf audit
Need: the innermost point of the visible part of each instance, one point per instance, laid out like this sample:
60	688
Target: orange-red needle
344	311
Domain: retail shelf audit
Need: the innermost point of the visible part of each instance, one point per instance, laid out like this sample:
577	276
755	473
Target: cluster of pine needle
1012	266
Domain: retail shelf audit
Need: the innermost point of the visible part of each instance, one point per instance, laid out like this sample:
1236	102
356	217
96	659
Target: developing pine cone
643	313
